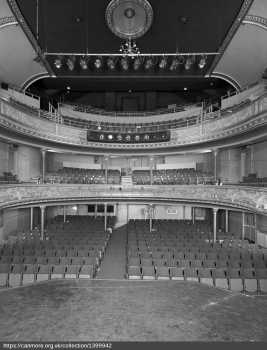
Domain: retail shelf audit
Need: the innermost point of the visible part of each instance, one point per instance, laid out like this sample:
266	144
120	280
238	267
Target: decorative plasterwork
256	20
129	19
227	78
18	15
238	21
7	21
33	79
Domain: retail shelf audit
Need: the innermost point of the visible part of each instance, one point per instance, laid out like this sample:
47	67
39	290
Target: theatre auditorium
133	168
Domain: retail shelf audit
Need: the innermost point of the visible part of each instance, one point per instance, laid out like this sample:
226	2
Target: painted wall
27	162
229	165
235	224
262	230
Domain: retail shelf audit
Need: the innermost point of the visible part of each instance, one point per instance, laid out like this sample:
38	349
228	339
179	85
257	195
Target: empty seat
6	259
53	260
148	272
15	275
196	263
247	264
146	262
76	261
212	256
249	280
177	273
220	278
18	259
89	261
261	275
64	260
133	261
205	276
58	271
183	263
43	273
4	271
134	273
234	264
221	264
191	274
211	264
87	271
41	260
29	259
29	273
162	273
72	271
235	280
259	264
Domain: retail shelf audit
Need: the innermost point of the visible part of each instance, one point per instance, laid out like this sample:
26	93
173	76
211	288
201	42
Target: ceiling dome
129	19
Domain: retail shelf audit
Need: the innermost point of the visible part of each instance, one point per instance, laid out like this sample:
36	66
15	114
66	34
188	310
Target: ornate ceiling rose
129	19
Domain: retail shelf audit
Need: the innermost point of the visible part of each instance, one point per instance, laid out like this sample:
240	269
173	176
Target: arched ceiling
237	30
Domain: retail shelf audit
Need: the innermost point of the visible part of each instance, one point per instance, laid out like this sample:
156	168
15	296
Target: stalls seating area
83	176
185	176
71	250
183	251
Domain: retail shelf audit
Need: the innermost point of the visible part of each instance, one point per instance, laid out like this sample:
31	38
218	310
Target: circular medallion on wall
129	19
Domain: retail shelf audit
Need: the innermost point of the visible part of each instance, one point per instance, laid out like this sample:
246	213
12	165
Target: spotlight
84	63
110	137
149	63
124	63
188	63
137	63
111	63
71	62
58	62
202	62
174	64
163	63
98	63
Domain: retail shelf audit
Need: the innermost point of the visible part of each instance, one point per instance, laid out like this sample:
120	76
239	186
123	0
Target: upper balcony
240	119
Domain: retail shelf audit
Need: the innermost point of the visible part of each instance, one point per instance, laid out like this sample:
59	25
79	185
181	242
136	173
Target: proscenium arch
35	78
230	80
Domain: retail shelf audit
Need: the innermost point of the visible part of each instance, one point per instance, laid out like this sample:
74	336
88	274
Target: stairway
126	180
113	265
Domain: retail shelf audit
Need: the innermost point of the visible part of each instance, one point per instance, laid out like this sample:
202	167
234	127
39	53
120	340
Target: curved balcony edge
238	198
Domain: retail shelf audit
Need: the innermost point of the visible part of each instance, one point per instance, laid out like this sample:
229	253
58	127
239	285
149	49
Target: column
243	225
243	156
193	215
42	207
31	219
151	164
150	213
255	228
252	166
43	152
95	211
106	159
215	152
215	211
226	221
183	212
105	213
64	213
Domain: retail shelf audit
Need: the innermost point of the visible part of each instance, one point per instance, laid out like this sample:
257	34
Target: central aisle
113	265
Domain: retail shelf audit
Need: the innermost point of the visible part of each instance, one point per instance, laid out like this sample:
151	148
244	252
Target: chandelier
129	48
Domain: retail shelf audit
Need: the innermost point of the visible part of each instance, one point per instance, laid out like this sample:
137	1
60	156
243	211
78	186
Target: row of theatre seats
171	177
183	252
8	178
83	176
71	250
254	180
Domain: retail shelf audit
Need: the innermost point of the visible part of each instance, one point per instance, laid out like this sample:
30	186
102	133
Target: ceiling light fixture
71	62
84	63
202	62
98	63
163	62
58	62
188	63
111	63
129	48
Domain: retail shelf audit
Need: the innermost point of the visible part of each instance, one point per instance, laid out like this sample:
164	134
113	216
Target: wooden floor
129	311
